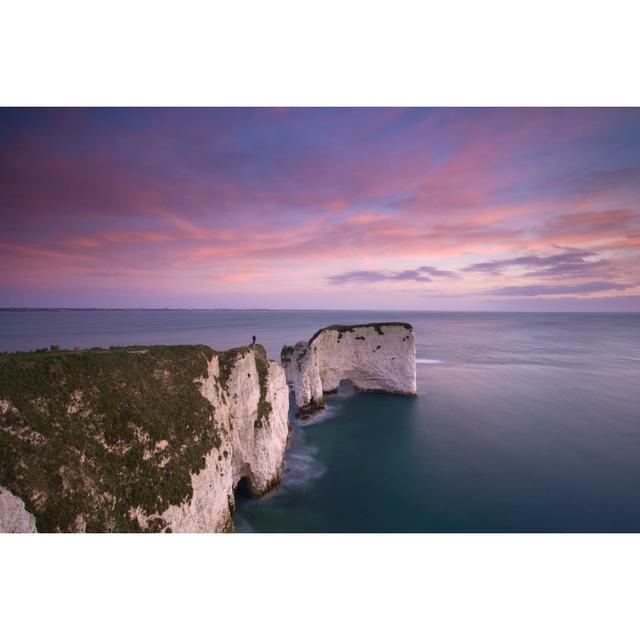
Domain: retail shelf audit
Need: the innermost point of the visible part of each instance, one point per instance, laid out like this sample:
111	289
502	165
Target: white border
319	53
319	586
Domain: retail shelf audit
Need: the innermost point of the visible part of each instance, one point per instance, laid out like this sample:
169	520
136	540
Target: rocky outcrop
373	357
137	439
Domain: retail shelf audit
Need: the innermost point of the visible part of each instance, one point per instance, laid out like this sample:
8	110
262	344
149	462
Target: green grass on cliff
98	432
264	407
347	328
286	353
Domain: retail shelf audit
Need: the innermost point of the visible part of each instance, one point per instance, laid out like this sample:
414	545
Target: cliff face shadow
242	490
345	389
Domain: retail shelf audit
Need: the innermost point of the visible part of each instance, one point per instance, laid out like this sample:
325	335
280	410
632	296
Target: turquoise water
523	422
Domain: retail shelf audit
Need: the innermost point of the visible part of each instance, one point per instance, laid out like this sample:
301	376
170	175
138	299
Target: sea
523	422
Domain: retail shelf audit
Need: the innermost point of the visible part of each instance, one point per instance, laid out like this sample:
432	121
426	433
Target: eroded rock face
373	357
152	439
14	518
254	437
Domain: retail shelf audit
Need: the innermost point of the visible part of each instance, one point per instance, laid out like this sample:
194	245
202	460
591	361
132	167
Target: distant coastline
266	310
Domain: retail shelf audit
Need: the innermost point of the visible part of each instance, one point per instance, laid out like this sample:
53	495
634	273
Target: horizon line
14	309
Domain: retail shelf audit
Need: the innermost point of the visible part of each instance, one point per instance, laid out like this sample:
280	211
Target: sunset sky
461	209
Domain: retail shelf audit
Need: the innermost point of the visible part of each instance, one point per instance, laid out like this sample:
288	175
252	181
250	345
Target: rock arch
373	357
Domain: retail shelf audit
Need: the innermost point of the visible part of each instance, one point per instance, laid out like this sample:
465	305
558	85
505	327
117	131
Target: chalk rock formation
14	518
137	439
252	406
373	357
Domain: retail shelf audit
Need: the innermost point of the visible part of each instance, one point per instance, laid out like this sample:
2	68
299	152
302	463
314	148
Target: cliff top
344	328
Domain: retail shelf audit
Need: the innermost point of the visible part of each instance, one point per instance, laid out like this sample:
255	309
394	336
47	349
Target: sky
425	209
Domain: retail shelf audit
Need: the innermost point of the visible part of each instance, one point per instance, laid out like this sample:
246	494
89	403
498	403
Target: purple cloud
415	275
571	262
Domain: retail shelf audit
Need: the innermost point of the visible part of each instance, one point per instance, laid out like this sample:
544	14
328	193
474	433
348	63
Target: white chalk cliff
250	401
254	439
373	357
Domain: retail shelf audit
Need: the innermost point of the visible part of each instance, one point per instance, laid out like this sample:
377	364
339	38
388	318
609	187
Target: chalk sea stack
373	357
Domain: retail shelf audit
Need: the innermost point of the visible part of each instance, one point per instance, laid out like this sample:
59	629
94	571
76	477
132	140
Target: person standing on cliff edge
253	341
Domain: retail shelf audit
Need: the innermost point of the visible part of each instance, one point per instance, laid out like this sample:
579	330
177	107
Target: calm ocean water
523	422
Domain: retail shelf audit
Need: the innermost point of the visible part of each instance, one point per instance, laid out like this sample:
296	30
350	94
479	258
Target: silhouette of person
253	341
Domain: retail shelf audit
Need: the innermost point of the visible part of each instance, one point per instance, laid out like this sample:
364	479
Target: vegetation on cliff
262	365
227	361
89	438
286	353
348	328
